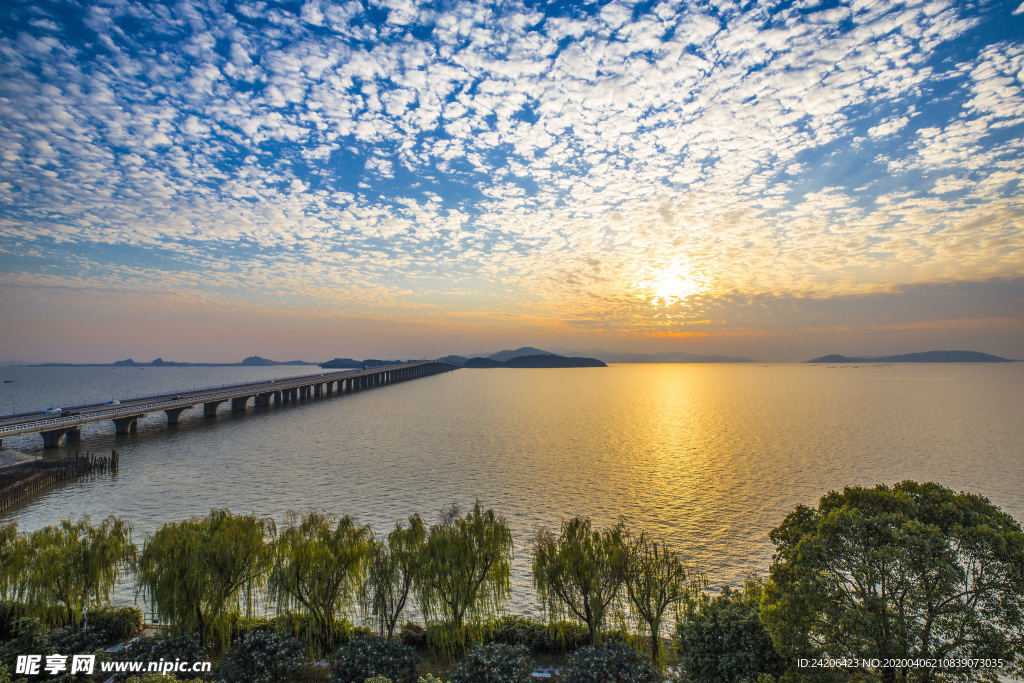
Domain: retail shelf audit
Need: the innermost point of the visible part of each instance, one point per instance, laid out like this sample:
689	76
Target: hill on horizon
918	357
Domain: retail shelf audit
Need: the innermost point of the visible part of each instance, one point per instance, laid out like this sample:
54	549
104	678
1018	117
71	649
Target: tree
75	563
580	573
722	638
464	572
318	569
656	579
394	563
914	571
14	561
200	573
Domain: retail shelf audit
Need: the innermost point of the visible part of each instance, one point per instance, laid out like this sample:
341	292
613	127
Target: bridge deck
73	417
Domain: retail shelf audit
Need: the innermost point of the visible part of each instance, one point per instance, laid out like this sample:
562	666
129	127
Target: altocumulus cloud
550	160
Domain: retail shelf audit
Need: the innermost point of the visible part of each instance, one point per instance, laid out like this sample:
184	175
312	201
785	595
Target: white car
53	411
115	402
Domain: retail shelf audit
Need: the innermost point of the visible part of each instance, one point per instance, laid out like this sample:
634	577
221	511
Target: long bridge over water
67	427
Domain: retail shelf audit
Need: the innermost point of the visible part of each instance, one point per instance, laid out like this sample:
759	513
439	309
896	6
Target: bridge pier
238	404
277	398
174	414
53	438
126	425
210	408
263	399
73	435
318	390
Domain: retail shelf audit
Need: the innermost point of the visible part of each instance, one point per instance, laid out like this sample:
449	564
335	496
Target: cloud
535	164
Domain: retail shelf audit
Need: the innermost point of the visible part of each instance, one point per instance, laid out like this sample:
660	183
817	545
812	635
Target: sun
672	285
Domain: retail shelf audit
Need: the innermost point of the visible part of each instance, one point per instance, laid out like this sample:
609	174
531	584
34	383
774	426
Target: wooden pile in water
18	482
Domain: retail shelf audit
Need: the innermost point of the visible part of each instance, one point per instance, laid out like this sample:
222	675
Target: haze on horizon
204	181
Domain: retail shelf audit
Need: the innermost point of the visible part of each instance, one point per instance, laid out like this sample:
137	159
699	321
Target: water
711	457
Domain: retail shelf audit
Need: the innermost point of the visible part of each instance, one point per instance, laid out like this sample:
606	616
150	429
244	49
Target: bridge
67	427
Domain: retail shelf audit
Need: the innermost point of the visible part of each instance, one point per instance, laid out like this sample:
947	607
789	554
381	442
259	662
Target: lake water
711	457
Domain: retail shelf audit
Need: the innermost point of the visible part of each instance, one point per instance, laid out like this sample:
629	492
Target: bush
362	657
64	639
262	656
539	637
28	636
186	648
413	634
494	663
116	624
613	662
724	640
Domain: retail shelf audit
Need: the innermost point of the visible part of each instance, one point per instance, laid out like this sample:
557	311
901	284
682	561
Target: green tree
464	573
722	638
656	579
393	566
318	569
14	561
912	571
580	573
201	573
75	563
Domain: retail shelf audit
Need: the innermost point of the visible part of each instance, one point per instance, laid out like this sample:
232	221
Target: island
919	357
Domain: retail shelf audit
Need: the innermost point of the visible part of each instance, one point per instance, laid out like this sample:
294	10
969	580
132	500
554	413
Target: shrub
723	638
363	657
413	634
494	663
65	639
262	656
538	637
613	662
29	636
10	612
184	648
116	624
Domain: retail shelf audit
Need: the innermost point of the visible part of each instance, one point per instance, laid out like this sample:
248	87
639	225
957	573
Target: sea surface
709	456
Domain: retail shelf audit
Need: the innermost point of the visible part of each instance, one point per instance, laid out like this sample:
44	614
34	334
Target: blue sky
315	179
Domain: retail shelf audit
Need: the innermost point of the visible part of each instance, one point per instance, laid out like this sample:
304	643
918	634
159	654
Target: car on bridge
115	402
55	412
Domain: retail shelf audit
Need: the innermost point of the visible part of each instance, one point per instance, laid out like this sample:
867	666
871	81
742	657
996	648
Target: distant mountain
454	360
537	360
920	357
358	364
550	360
668	357
507	355
483	363
258	361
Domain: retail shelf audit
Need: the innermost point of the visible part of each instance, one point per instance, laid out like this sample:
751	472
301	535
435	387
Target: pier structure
67	427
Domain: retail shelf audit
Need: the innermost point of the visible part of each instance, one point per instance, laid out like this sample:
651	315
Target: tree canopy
657	578
74	563
318	569
464	573
908	571
201	572
580	573
394	564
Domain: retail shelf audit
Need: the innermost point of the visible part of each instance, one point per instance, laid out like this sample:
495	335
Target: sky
382	178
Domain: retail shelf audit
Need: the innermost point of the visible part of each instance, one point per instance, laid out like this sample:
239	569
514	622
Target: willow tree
394	563
202	572
464	573
580	573
319	568
75	563
656	579
14	561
